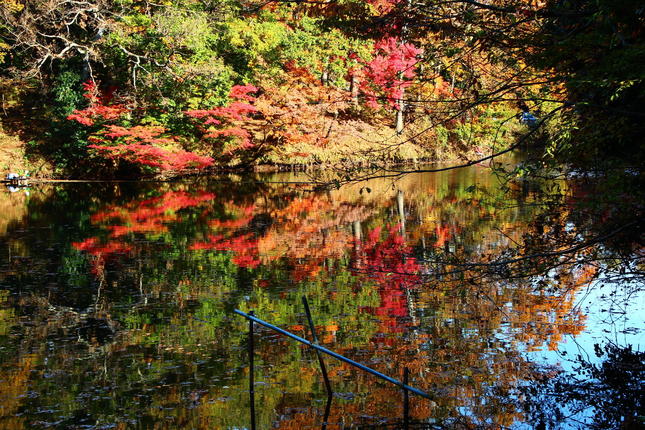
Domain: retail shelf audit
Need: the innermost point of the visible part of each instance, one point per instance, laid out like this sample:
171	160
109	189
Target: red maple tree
222	125
389	72
140	145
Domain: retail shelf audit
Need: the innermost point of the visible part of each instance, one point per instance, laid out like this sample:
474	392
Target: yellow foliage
11	6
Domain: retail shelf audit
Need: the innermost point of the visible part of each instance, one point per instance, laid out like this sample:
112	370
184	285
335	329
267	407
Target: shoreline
259	169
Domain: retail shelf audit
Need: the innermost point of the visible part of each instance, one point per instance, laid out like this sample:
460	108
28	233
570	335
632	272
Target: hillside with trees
130	88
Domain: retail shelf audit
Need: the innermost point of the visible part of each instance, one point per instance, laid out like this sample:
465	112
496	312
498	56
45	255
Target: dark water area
117	300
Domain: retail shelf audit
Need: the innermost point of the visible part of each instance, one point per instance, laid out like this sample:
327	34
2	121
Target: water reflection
102	289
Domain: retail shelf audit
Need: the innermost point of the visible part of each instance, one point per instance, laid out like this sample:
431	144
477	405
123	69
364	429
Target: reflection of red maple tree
100	251
388	262
152	215
244	248
233	236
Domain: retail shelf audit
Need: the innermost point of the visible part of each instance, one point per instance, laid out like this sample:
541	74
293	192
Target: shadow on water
483	290
604	395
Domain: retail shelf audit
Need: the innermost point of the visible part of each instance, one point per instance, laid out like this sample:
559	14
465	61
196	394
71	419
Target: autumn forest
455	186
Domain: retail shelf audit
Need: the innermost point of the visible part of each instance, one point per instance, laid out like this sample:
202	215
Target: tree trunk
353	90
399	114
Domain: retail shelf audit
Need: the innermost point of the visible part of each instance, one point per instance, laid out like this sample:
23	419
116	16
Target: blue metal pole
334	354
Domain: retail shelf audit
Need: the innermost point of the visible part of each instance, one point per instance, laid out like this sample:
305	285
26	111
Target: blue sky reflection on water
615	313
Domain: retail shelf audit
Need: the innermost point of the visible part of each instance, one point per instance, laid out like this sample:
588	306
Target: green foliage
66	141
319	49
251	46
263	46
66	92
176	63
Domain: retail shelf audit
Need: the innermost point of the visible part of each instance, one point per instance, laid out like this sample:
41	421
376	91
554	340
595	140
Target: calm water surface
105	290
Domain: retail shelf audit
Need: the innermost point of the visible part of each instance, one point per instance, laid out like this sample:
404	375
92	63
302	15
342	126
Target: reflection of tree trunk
358	232
140	269
411	308
401	206
358	238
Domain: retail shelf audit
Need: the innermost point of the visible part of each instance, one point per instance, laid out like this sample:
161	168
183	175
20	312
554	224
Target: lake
117	301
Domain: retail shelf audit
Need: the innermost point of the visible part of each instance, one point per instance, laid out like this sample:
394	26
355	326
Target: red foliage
383	6
389	72
140	145
153	156
97	110
241	92
389	263
220	122
244	248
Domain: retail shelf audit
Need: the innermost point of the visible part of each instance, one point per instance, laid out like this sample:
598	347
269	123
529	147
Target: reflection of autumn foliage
150	216
388	262
463	334
15	385
443	234
244	248
311	230
233	236
547	317
307	231
100	251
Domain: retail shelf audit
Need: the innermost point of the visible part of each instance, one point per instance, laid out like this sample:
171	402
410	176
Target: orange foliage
300	110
